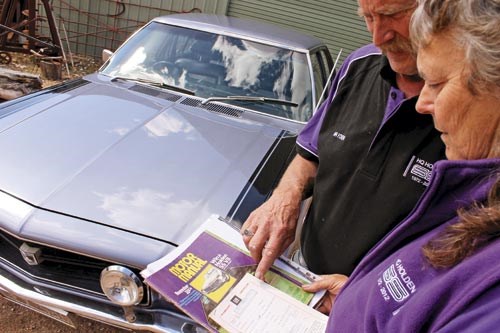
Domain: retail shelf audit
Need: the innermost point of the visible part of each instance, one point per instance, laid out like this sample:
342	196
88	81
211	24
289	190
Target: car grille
57	269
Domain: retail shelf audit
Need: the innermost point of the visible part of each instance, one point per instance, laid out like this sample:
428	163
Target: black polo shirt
375	155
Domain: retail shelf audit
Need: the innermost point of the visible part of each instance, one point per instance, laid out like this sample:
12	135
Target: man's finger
270	252
266	261
247	230
257	243
247	235
255	252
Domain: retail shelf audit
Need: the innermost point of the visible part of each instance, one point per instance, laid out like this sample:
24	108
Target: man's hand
270	229
333	284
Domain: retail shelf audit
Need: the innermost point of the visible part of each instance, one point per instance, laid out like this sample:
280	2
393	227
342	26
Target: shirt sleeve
307	141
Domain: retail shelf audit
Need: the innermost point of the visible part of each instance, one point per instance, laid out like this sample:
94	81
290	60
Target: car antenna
327	82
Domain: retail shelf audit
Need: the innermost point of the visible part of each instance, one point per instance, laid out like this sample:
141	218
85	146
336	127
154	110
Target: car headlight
121	285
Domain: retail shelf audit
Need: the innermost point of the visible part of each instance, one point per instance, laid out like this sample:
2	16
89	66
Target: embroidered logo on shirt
395	283
339	136
419	170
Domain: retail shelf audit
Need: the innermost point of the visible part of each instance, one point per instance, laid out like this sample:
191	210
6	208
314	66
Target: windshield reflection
215	65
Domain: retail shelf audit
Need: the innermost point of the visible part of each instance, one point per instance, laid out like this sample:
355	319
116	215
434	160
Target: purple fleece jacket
393	289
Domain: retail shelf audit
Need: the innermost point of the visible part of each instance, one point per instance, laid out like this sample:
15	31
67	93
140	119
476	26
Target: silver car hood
119	158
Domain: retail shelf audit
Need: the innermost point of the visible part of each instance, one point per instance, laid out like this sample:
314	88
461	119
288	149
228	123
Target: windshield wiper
155	84
251	99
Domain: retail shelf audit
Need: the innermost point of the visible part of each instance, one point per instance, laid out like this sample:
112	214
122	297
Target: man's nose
382	31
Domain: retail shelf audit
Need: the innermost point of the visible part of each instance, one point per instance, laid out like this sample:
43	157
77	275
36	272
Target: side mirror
106	54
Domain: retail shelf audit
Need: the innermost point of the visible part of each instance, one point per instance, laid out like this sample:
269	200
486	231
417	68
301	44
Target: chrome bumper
18	289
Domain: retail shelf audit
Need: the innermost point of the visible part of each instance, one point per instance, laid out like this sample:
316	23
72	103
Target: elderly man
367	153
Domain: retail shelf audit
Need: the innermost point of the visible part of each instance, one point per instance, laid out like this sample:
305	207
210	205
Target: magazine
209	272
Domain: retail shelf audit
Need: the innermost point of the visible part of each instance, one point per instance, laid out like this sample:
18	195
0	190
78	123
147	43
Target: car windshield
212	65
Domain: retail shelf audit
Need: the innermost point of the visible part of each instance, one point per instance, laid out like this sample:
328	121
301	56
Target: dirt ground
15	318
78	66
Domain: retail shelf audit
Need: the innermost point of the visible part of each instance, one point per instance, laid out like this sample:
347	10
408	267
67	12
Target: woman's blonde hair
475	26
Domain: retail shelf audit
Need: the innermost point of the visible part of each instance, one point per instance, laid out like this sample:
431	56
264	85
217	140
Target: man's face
388	22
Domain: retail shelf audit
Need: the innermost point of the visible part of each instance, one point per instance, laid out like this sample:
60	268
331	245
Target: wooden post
51	70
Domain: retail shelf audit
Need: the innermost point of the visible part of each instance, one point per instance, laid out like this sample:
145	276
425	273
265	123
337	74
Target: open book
210	278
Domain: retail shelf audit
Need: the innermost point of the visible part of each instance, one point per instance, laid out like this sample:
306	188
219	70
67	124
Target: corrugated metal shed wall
334	21
91	25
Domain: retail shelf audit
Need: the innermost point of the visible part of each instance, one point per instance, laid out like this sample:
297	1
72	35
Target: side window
322	66
319	73
327	60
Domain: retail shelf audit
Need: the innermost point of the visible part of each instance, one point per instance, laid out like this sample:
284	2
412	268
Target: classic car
193	115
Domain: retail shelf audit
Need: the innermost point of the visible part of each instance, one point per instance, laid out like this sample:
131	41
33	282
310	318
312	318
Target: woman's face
470	124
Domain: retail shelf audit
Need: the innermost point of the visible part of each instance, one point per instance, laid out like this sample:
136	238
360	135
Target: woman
439	270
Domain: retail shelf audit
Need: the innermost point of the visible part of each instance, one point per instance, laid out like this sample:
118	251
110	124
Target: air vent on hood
155	93
223	109
228	111
191	101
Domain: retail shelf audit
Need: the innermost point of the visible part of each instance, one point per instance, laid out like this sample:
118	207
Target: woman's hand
333	284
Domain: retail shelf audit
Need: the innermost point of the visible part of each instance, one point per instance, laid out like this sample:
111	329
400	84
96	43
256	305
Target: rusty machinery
18	33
